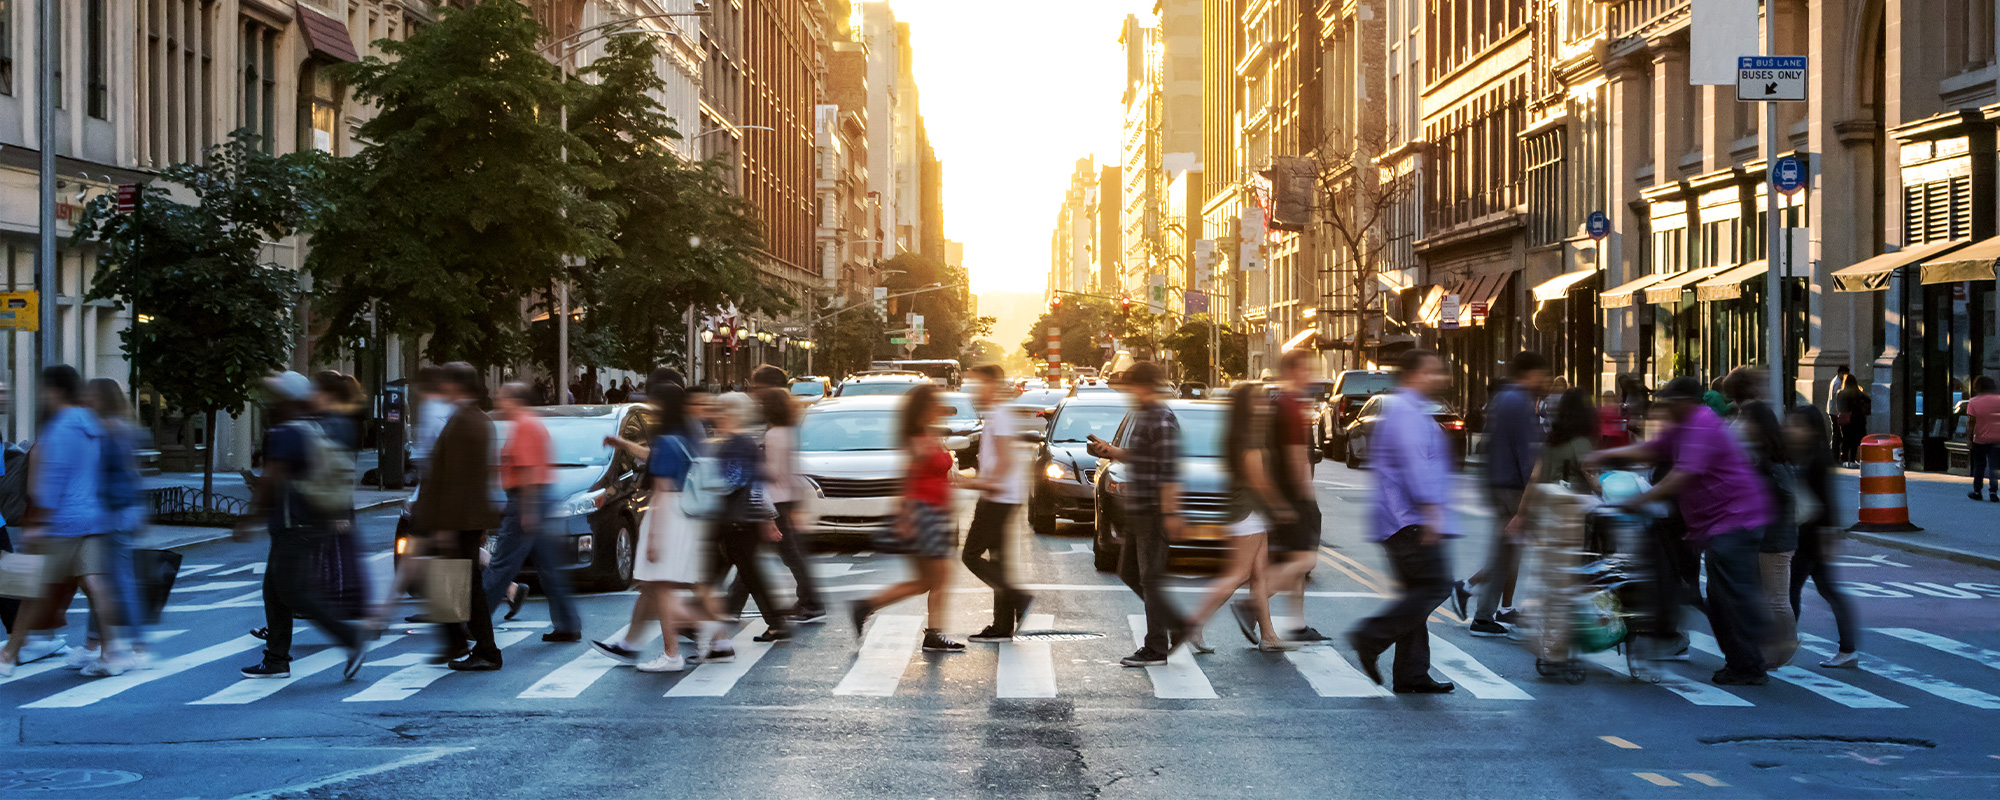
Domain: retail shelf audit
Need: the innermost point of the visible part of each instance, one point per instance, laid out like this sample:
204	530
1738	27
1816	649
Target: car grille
1208	506
854	522
859	487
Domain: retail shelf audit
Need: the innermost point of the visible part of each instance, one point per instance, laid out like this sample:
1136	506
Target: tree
1190	343
679	236
1360	190
850	340
1086	323
465	204
210	320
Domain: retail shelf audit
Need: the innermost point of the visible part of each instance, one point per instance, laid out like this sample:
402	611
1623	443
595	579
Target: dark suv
1062	471
1351	388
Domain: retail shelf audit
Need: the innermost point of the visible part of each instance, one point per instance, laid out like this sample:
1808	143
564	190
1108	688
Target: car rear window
876	388
1366	383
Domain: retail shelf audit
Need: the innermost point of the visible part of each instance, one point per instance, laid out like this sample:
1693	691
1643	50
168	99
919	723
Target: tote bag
448	589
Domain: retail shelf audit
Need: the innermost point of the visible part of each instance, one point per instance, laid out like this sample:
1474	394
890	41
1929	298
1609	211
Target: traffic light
1125	307
1055	303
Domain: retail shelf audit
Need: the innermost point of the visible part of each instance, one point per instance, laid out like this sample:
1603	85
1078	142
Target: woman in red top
923	527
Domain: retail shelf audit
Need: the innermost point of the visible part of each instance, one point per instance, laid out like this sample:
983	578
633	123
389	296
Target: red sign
128	198
1478	311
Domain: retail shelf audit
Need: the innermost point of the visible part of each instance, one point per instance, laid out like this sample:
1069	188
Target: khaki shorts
71	557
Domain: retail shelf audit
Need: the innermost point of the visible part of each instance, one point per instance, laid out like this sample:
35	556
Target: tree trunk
208	462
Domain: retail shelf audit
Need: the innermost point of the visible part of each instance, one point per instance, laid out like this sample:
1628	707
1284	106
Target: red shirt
929	478
525	459
1611	429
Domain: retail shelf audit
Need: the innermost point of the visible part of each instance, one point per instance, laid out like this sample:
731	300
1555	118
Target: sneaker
721	651
774	635
1993	498
859	612
1143	658
1246	619
355	656
562	636
617	650
1486	627
991	634
1306	635
43	648
664	663
268	670
811	616
6	669
514	603
1508	616
109	666
1974	494
475	663
936	643
1846	659
136	660
1459	596
1730	677
76	658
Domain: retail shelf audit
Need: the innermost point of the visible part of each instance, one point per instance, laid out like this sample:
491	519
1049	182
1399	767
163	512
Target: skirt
933	534
681	539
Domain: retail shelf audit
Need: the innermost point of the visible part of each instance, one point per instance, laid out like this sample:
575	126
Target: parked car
876	383
1204	482
1038	404
1359	431
964	421
603	539
810	389
1061	473
1090	386
1351	388
849	456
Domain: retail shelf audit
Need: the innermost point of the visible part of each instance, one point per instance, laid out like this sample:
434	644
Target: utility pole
46	338
1774	277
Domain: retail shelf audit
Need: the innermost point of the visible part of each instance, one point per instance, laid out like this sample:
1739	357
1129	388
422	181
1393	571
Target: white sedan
852	465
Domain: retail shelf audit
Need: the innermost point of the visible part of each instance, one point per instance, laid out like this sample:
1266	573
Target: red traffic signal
1055	302
1125	306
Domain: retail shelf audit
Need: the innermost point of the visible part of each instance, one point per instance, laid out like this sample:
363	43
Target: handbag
21	575
448	589
156	571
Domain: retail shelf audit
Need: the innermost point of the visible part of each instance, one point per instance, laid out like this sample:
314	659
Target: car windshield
1039	397
579	441
848	430
1366	383
1202	430
961	408
861	389
1077	423
808	388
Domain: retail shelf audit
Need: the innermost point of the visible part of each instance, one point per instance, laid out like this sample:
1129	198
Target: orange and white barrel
1885	500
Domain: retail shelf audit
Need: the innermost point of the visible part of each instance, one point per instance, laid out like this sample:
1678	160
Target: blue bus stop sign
1598	225
1788	175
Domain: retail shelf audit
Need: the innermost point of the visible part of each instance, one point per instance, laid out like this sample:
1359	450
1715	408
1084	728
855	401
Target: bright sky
1013	94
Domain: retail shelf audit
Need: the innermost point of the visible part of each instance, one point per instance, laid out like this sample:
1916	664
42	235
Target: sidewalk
230	484
1955	527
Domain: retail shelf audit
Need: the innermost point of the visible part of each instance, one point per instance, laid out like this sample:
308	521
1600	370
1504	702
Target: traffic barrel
1885	500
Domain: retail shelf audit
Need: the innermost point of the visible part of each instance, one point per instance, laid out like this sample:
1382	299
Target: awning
1626	294
326	36
1481	289
1729	284
1669	289
1974	263
1872	274
1554	288
1432	306
1300	339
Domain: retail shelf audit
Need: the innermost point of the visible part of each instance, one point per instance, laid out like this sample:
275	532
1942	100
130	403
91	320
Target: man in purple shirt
1413	476
1726	508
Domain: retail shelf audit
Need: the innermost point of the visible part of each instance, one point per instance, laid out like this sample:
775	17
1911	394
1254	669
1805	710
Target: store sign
1771	78
1479	312
1448	313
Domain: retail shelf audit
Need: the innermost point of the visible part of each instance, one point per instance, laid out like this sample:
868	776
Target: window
6	47
95	72
319	109
260	83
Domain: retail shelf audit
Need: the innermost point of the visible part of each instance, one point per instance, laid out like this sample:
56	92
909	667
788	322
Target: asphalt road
1058	718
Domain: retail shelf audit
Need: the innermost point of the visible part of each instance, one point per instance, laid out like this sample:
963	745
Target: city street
1056	717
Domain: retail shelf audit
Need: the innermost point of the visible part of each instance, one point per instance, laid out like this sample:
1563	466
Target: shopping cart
1593	571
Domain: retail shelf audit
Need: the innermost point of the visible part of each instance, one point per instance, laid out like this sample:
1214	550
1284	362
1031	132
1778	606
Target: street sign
1788	175
128	198
20	311
1479	311
898	340
1598	225
1448	313
1771	78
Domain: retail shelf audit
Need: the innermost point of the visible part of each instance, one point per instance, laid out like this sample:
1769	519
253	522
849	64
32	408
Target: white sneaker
136	660
1842	660
38	649
105	667
80	657
6	669
664	663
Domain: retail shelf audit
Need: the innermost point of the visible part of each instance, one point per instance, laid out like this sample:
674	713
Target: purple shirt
1724	493
1413	465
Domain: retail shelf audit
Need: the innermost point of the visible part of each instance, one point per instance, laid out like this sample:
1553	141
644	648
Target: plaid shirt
1155	450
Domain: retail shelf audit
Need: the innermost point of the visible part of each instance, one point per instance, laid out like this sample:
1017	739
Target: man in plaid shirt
1150	496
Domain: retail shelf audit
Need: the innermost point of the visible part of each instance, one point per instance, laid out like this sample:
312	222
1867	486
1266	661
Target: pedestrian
1002	485
124	519
1514	435
342	579
1294	543
1255	508
745	520
1726	508
785	491
527	479
1984	409
1612	429
1551	395
1851	410
1833	387
296	454
456	507
1806	433
923	527
1414	472
1763	438
1152	504
432	410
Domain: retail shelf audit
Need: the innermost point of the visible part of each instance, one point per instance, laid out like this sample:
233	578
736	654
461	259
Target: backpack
328	485
14	485
705	490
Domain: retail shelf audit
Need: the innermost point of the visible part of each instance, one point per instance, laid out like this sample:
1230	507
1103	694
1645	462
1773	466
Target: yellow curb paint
1703	779
1619	743
1656	779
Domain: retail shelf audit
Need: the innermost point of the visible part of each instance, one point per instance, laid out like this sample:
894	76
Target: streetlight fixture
707	335
727	130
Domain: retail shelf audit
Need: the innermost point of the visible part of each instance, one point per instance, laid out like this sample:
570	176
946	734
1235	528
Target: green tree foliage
213	320
850	340
464	205
679	236
1190	343
947	313
1085	324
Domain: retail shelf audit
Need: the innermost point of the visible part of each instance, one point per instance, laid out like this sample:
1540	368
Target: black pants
1985	464
8	605
790	550
740	542
465	544
1142	564
1426	579
1736	603
1850	439
986	556
289	589
1811	562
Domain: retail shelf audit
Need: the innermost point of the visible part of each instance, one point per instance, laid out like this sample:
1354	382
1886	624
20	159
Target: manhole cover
62	780
1056	636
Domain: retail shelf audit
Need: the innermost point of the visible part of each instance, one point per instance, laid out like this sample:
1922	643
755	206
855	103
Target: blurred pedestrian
1414	471
1984	410
1550	395
1612	429
1726	509
745	521
923	527
342	579
527	479
1756	426
784	490
456	508
1152	507
296	453
1294	541
1255	507
1002	485
1806	433
1514	436
1851	410
434	407
124	519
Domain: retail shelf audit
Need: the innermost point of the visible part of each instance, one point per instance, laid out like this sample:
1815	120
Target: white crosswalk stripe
250	690
1952	646
1814	682
715	680
885	654
1700	694
1331	676
102	688
402	683
1179	678
1467	672
1910	677
51	663
1026	669
569	680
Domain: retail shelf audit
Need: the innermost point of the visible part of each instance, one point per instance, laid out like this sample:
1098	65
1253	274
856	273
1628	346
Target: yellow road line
1620	743
1703	779
1656	779
1326	551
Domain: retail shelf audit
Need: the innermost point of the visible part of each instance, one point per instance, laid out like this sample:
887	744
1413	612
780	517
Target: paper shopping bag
448	589
21	574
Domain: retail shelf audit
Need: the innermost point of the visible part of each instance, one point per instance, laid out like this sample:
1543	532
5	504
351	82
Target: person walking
1984	409
745	521
1152	507
341	576
1726	508
1806	433
1255	507
1514	435
456	508
526	478
923	526
1414	471
1851	410
295	450
1002	485
1294	538
1763	438
1833	387
124	517
784	491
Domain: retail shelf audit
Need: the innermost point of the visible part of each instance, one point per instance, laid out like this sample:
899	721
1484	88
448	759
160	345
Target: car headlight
1057	471
581	503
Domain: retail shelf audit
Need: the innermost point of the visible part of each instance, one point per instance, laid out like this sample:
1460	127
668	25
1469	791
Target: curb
196	536
1927	549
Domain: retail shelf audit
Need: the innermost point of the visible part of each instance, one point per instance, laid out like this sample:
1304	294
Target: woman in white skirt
671	544
1254	503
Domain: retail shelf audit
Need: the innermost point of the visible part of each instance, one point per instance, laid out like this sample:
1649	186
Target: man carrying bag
456	506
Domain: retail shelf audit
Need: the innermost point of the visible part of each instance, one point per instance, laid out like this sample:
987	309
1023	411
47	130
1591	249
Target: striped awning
1626	294
1669	289
1872	274
1974	263
1728	285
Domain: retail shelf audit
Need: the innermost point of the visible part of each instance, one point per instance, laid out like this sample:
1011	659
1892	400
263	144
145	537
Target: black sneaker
1459	596
1143	658
1307	635
1974	494
1484	627
353	666
808	616
268	670
475	663
991	634
562	636
1246	619
1730	677
1993	498
859	612
514	603
936	643
773	635
1508	616
617	650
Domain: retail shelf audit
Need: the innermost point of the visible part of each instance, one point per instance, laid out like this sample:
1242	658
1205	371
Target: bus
942	371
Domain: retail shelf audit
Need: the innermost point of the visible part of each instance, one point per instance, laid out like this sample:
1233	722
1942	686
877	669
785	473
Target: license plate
1204	532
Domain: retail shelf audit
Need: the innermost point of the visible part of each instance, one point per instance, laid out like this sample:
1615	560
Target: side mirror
1036	436
957	442
1315	455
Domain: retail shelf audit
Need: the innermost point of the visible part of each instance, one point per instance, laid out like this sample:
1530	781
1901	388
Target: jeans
1503	562
1986	465
479	627
1142	564
1736	604
1425	573
8	605
123	581
289	589
795	560
516	543
1811	562
740	542
986	557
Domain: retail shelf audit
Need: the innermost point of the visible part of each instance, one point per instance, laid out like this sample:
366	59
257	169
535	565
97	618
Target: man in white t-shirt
1002	485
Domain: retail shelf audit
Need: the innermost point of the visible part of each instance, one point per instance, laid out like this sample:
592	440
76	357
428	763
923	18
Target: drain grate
1056	636
62	780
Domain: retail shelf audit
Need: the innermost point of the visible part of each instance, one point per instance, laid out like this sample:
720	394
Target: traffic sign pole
1774	280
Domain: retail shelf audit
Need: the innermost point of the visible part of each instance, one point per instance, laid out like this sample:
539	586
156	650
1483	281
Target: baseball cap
1682	388
289	385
